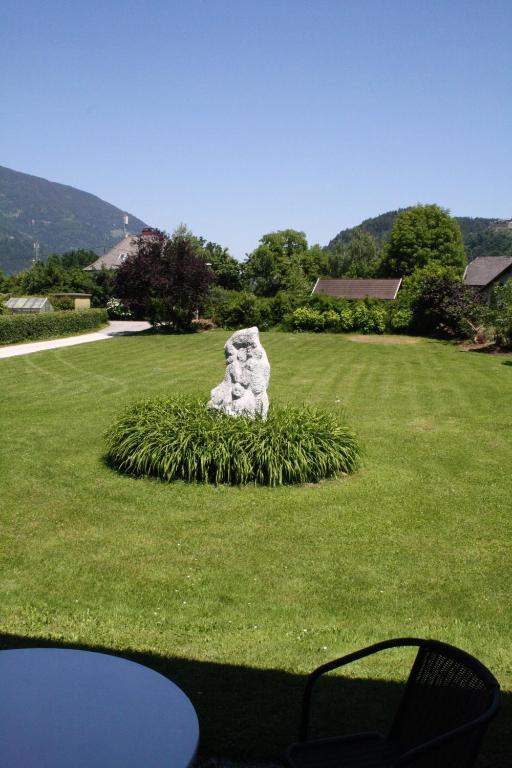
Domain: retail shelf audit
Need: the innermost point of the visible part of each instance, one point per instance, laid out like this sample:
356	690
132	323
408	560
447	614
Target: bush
447	307
501	303
30	327
400	318
434	300
181	439
116	310
307	319
265	314
360	317
282	305
346	318
377	318
331	320
319	312
233	309
242	309
323	302
62	303
365	316
203	324
3	309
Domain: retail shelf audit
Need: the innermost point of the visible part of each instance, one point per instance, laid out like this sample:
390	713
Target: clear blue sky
239	117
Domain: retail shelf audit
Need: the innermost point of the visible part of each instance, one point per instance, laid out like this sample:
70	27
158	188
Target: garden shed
80	300
32	304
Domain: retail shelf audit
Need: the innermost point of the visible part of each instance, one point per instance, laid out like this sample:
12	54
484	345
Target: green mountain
58	217
482	237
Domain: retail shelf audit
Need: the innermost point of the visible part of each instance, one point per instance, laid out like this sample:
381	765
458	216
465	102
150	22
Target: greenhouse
29	304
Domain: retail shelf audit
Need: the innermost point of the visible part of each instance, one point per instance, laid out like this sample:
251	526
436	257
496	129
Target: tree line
170	279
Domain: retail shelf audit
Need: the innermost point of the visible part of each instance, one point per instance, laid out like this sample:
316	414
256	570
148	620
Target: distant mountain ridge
482	237
58	217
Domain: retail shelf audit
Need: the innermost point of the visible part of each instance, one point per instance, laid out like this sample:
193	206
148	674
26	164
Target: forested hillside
480	235
58	217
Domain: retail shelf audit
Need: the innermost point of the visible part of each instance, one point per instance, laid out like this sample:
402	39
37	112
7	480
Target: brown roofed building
113	258
360	288
484	272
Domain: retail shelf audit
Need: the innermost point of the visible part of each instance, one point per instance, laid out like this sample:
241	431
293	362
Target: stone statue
244	389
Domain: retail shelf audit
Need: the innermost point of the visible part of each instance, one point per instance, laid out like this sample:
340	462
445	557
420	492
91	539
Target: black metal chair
447	704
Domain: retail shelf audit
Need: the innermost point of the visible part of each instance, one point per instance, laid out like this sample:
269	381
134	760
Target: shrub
369	316
377	318
3	309
359	315
307	319
448	307
331	320
282	305
501	303
239	309
203	324
62	303
434	300
181	439
265	314
233	309
323	302
366	316
400	318
116	310
346	318
30	327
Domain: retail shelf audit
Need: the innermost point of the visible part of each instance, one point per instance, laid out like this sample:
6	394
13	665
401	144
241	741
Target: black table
71	709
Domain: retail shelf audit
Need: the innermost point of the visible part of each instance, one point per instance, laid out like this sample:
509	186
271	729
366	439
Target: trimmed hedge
30	327
363	316
239	309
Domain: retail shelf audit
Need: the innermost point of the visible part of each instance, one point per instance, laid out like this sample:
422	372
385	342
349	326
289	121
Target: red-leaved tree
166	280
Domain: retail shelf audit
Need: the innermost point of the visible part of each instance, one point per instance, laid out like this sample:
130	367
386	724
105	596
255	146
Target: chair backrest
447	689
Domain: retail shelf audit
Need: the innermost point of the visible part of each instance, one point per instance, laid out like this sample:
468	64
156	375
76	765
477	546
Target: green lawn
237	593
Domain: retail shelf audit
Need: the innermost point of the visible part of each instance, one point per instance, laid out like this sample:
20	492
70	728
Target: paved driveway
114	328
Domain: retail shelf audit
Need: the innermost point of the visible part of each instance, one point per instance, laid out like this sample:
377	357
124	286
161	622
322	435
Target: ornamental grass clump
179	438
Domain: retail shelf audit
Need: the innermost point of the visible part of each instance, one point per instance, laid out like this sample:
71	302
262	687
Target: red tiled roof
359	289
484	269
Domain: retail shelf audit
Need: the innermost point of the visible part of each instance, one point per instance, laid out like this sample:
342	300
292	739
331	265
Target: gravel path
114	328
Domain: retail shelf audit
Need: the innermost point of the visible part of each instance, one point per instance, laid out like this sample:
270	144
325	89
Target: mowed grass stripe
418	541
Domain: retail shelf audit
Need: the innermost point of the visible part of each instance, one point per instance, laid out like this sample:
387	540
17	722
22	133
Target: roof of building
359	288
27	302
120	251
114	258
485	269
73	295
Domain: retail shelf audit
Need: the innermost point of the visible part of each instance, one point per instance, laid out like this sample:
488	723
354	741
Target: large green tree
421	235
283	258
51	276
64	274
227	270
358	257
